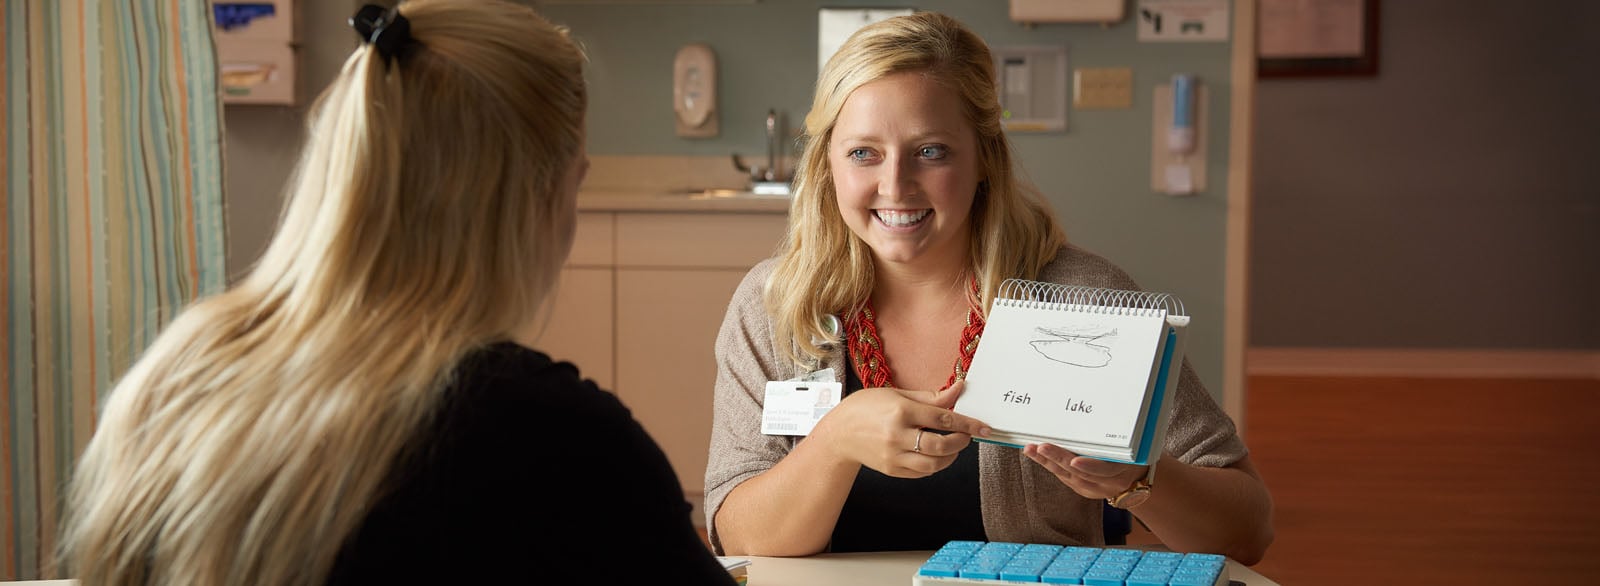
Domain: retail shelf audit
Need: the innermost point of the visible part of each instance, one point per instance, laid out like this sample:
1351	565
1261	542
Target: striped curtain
112	222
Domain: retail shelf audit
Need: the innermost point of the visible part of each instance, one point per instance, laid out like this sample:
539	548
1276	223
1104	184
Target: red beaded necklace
866	348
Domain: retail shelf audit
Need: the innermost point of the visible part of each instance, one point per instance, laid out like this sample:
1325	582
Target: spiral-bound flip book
1091	370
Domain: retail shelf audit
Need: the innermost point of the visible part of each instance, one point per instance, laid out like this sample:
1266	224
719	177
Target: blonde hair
425	219
824	268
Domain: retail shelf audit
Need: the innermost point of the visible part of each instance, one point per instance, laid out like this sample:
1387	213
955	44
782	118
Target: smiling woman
907	216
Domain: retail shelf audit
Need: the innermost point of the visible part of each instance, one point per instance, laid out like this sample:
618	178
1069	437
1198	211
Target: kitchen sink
735	194
758	190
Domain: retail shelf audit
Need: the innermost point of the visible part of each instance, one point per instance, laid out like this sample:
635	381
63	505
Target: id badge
793	407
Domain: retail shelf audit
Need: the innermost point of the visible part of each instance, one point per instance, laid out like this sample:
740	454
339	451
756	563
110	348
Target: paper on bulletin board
835	25
1183	20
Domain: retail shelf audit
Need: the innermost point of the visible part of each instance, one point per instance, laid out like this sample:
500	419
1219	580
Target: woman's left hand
1089	477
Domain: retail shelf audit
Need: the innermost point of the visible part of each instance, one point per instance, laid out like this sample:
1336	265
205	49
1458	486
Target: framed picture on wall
1316	38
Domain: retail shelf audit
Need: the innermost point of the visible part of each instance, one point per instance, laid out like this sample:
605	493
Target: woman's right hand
883	429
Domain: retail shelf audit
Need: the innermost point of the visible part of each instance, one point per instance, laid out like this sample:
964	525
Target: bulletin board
1321	38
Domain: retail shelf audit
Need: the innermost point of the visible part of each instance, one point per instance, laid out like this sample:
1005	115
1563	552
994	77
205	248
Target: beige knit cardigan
1021	501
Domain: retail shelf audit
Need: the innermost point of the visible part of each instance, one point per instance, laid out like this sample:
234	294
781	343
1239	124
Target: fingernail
984	432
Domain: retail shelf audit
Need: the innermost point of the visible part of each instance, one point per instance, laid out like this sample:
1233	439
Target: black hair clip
385	28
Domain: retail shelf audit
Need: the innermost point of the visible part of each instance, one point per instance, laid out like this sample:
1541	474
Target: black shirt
529	474
884	513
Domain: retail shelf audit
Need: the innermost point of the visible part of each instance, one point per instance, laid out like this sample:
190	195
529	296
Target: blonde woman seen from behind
907	216
366	406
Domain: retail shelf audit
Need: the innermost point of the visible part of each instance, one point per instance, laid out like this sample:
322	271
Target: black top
884	513
529	475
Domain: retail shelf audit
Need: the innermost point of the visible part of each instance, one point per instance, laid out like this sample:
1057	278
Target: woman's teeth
902	218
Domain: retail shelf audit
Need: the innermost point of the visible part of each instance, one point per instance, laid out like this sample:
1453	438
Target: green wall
1097	173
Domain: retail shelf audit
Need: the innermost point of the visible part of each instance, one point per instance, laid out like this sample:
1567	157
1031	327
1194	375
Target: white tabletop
893	568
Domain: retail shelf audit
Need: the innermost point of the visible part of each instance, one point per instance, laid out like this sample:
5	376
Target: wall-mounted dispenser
1178	153
694	91
255	51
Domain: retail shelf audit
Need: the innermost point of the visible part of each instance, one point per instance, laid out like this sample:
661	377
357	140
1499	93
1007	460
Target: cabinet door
667	322
594	240
581	324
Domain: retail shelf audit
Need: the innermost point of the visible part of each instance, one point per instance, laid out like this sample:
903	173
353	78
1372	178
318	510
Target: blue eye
933	151
858	154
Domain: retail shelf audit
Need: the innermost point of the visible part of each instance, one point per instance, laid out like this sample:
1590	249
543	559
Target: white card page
1059	372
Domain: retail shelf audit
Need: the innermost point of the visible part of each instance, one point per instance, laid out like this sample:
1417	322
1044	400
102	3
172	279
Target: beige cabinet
582	321
638	310
667	321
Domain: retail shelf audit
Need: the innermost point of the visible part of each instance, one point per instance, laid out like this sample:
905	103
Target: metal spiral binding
1022	293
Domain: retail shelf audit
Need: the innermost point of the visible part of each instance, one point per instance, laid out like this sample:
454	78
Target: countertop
663	201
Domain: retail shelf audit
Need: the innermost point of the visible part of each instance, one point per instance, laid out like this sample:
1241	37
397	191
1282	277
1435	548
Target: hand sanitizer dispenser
1177	153
694	91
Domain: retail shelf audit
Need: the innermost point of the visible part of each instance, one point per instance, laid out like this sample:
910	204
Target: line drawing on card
1085	345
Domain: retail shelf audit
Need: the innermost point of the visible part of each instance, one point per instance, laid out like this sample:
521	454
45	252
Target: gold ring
917	447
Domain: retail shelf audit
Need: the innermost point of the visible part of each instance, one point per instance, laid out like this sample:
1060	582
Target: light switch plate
1102	88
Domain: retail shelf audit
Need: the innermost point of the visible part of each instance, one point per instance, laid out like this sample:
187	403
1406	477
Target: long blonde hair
824	268
425	219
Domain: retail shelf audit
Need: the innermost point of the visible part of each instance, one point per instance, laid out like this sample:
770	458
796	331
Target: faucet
773	146
772	173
